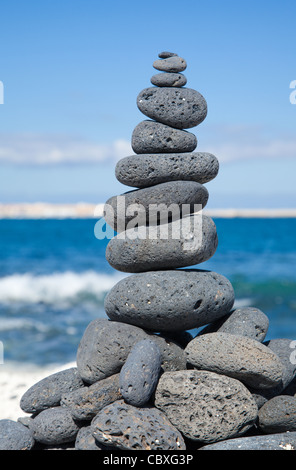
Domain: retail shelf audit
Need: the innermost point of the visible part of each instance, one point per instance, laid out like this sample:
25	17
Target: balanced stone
54	426
127	427
236	356
173	64
139	375
281	441
278	415
186	242
15	436
147	170
169	79
204	406
48	392
171	300
166	54
155	204
86	402
155	137
181	108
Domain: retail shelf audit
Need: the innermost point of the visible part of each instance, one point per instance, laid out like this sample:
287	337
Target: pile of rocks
142	380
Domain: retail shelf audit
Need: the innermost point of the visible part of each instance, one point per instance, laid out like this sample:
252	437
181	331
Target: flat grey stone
171	300
145	170
278	415
15	436
54	426
155	204
166	54
177	244
247	321
169	79
139	375
127	427
86	441
236	356
86	402
173	64
181	108
281	441
204	406
47	392
155	137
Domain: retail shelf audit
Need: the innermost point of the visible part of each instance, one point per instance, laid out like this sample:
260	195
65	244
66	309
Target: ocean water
54	277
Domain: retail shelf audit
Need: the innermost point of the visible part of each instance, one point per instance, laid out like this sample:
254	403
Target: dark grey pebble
247	321
171	300
139	375
86	402
155	137
127	427
181	108
236	356
173	64
169	79
54	426
86	441
177	244
145	170
47	392
204	406
15	436
155	204
281	441
166	54
278	415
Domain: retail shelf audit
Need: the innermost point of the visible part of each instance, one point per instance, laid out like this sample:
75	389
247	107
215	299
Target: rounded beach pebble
139	375
278	415
171	300
86	441
181	108
54	426
204	406
236	356
169	79
173	64
281	441
127	427
145	170
15	436
48	392
155	203
177	244
155	137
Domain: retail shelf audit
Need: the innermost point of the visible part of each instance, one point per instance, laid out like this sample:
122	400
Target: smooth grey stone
281	441
278	415
171	300
178	244
206	407
169	79
127	427
166	54
54	426
155	137
47	392
86	441
247	321
145	170
86	402
139	375
15	436
236	356
155	204
181	108
173	64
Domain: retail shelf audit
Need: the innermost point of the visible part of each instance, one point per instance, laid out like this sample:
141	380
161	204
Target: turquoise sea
54	277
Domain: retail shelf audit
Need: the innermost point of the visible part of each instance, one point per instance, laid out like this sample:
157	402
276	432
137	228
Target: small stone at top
166	55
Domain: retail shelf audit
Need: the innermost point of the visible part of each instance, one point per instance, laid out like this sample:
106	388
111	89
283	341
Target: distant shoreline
82	210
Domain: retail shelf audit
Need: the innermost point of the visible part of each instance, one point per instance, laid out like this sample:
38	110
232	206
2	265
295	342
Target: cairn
142	381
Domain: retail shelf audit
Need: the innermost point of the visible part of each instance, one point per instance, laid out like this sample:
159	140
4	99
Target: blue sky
72	70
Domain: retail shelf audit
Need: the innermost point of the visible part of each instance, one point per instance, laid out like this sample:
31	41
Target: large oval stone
155	137
171	300
145	170
186	242
15	436
169	79
243	358
181	108
54	426
204	406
